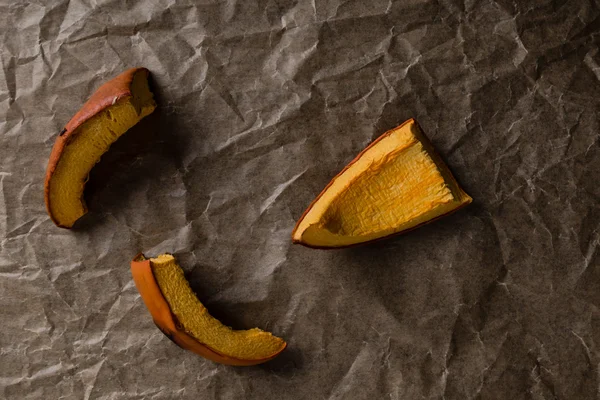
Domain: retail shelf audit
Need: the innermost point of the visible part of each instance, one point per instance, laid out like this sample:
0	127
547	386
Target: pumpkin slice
182	318
396	184
115	107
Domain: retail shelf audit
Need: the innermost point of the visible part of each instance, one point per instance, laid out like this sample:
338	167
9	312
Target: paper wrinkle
366	359
277	192
89	376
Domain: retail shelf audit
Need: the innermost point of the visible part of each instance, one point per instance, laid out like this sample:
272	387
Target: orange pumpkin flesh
115	107
244	342
396	184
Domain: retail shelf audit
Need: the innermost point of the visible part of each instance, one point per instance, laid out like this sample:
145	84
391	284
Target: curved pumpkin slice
396	184
182	318
114	108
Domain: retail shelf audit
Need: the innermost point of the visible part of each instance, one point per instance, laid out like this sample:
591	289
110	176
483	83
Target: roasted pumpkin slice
396	184
183	318
115	107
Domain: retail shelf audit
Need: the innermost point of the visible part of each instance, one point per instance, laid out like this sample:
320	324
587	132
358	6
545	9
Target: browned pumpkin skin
141	270
411	120
106	95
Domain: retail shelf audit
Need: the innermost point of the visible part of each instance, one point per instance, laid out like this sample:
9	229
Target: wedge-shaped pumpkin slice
396	184
115	107
181	316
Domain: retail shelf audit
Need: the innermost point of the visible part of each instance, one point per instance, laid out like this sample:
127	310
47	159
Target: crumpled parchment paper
261	102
